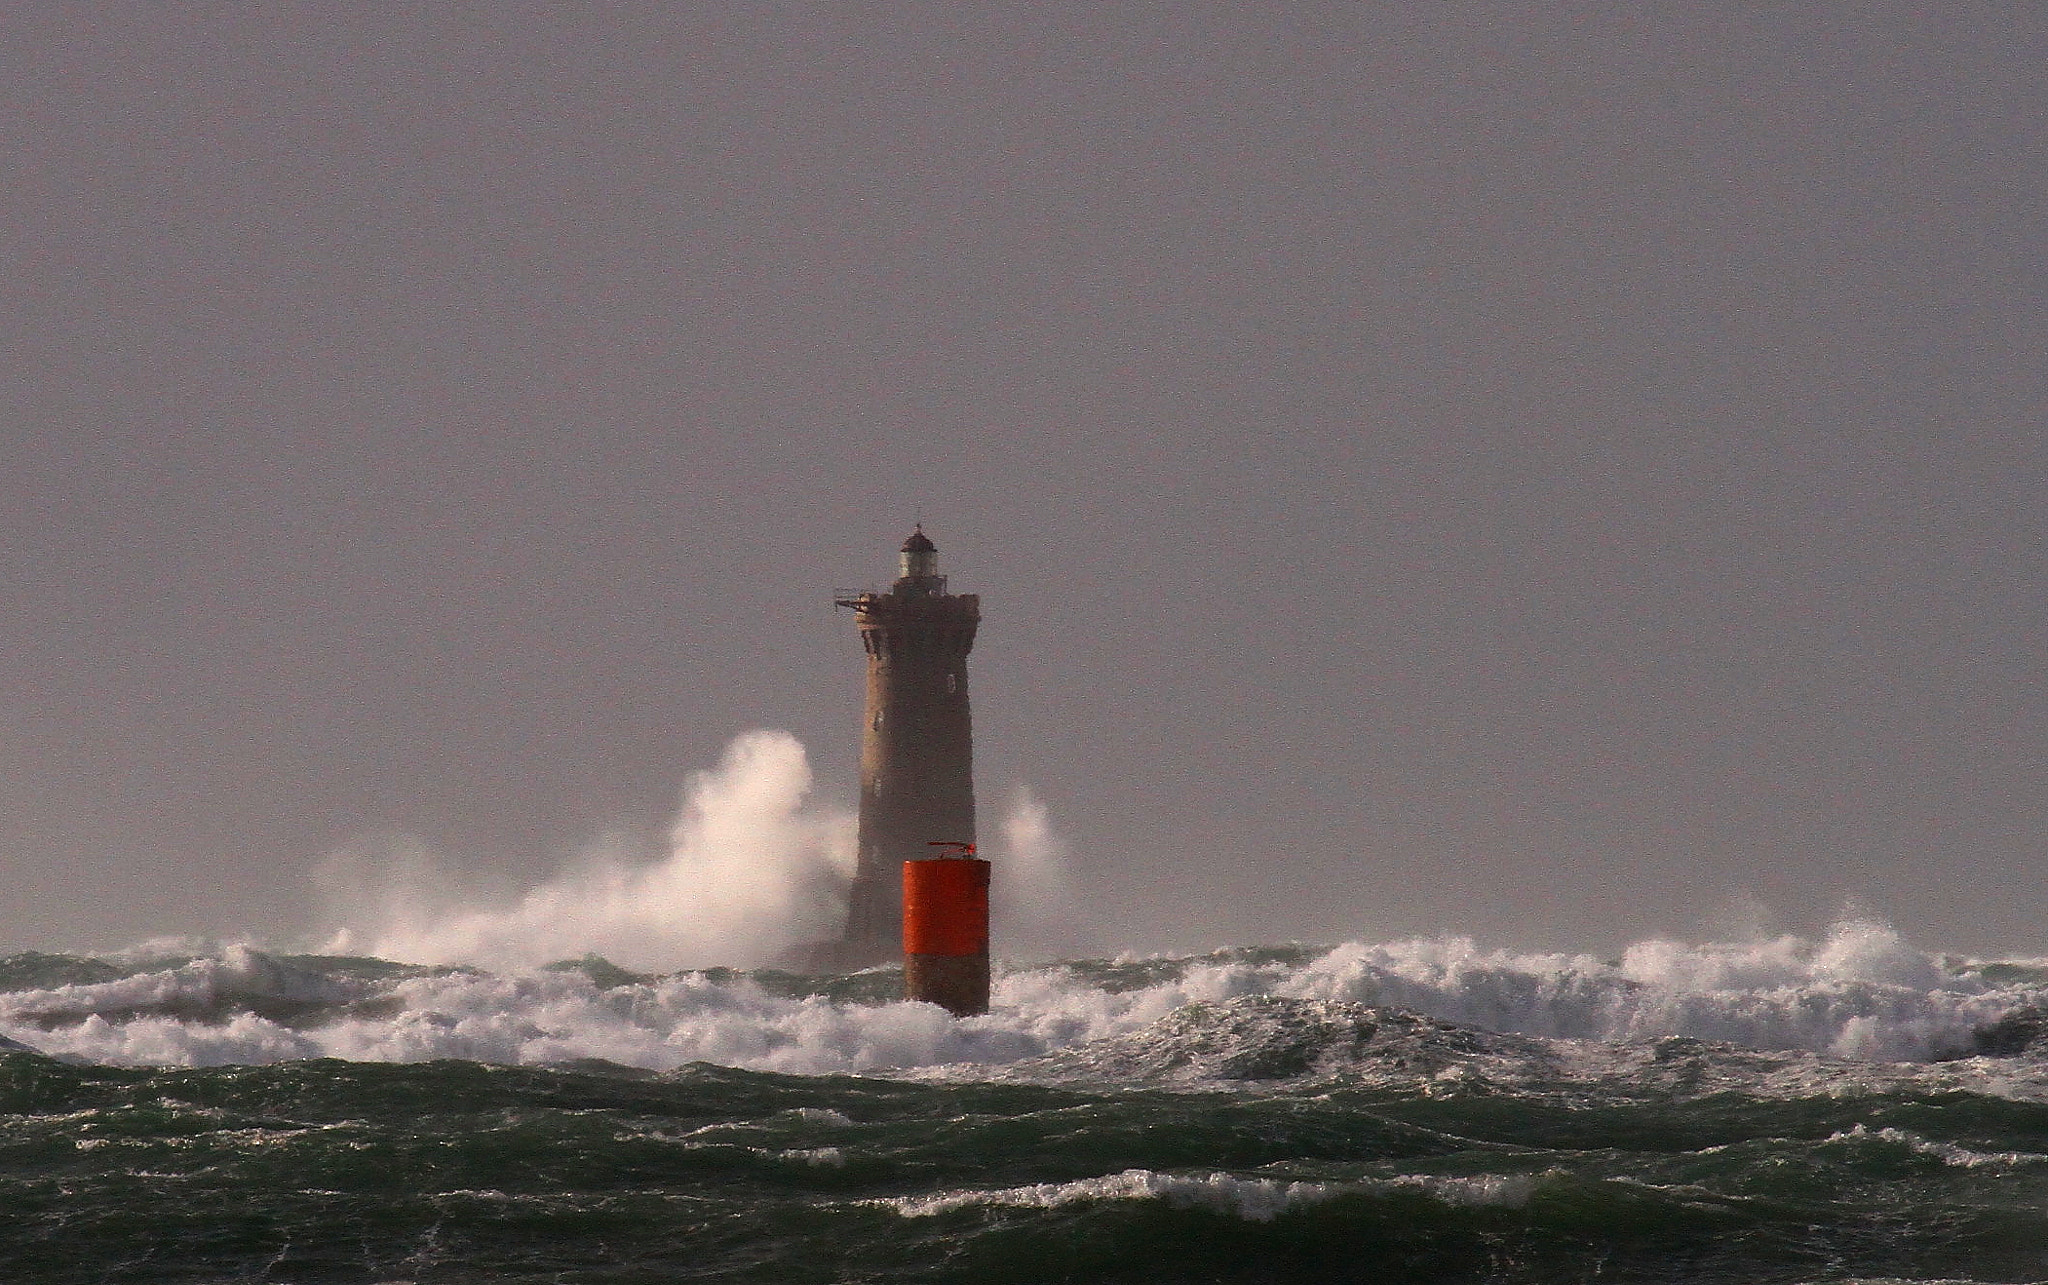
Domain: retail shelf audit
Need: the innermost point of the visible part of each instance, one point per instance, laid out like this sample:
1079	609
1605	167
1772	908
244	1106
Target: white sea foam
1946	1152
1253	1199
816	1115
237	972
822	1157
756	868
1859	993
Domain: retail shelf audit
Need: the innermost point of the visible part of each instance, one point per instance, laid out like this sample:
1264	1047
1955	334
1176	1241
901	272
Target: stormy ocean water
454	1089
1834	1109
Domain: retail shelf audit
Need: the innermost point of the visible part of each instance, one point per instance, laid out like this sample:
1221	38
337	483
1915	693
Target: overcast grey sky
1557	472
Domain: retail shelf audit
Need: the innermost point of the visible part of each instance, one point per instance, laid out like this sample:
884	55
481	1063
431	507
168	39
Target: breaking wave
1684	1113
1858	997
754	872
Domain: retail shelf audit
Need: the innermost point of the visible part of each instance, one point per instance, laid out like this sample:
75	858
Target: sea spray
1038	911
754	869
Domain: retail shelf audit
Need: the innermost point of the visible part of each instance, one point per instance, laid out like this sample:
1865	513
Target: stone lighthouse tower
917	742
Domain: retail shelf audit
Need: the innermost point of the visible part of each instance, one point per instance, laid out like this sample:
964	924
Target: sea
1842	1107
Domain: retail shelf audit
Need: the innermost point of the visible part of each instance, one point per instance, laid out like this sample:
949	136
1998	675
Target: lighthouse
917	742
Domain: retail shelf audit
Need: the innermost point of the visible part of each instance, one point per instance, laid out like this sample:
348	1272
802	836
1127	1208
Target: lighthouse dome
920	563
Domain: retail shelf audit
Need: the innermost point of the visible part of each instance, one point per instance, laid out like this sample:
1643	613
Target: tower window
952	682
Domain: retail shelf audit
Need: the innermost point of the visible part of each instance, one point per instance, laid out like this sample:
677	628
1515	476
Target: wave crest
1416	1008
